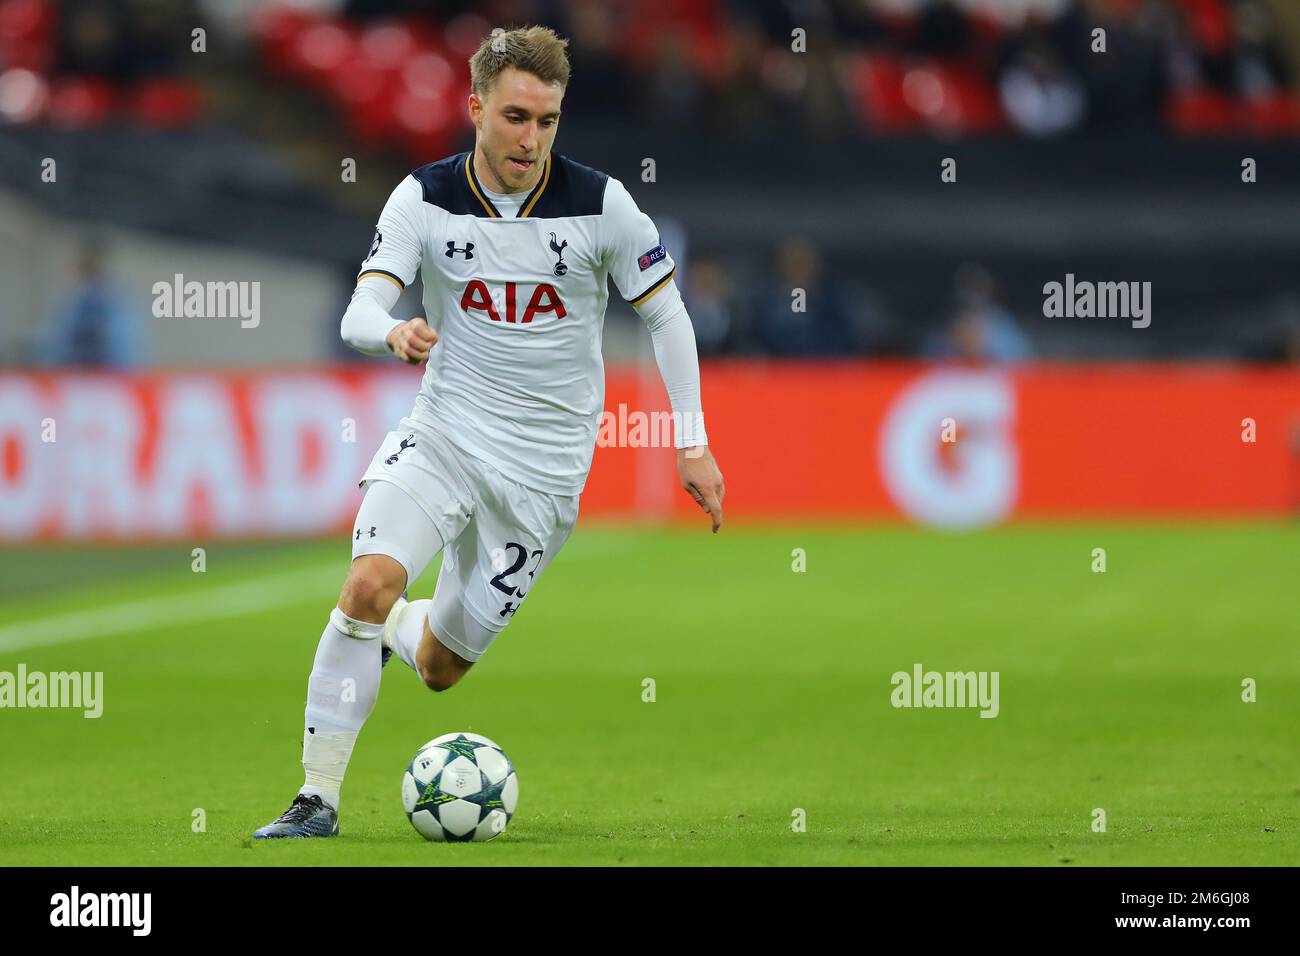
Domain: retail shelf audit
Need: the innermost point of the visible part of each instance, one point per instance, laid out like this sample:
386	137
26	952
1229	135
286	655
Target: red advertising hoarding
268	454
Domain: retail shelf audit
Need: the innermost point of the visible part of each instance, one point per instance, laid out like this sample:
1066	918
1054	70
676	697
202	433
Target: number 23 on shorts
517	555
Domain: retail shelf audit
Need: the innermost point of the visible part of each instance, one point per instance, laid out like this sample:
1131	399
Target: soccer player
514	243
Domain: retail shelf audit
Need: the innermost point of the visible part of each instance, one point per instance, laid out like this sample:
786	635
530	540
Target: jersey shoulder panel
444	185
573	190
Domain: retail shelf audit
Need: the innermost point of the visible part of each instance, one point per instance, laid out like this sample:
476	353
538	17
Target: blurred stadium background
774	170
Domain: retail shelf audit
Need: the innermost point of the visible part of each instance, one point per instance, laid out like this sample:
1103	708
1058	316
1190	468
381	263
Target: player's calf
408	634
439	668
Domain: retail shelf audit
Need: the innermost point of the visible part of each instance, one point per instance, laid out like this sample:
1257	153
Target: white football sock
407	629
341	693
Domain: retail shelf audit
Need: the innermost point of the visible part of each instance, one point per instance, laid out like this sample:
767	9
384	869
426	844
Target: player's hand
702	480
412	341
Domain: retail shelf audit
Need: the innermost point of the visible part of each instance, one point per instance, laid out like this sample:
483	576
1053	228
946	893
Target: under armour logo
558	248
509	608
467	252
407	442
372	532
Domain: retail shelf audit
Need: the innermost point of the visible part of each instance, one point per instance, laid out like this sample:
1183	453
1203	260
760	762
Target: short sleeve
634	256
397	248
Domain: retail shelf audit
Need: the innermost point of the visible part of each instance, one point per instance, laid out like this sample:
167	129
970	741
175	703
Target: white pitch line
230	600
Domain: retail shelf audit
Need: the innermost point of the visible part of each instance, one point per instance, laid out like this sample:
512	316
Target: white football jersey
517	377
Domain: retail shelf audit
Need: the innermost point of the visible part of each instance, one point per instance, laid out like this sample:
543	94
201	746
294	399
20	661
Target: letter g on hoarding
970	483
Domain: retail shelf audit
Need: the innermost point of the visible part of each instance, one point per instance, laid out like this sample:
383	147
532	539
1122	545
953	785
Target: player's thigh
393	541
490	568
423	497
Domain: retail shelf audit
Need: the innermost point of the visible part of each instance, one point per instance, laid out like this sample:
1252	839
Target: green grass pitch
1120	691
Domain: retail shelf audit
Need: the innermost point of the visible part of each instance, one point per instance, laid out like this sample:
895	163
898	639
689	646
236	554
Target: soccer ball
460	788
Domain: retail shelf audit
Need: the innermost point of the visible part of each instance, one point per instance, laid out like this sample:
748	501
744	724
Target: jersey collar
489	210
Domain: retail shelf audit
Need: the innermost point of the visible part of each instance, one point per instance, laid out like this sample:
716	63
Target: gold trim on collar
470	178
537	192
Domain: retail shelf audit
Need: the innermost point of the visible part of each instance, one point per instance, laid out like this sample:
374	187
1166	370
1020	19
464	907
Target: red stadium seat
165	102
82	101
25	34
1277	115
369	105
275	29
316	53
386	46
970	103
880	99
899	98
1211	23
1200	112
424	123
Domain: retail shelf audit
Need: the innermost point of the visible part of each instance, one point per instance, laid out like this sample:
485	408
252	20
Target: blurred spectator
981	328
1128	86
93	40
942	30
673	84
160	35
710	300
1260	67
1282	342
600	79
1169	24
98	325
120	41
743	102
1039	95
824	326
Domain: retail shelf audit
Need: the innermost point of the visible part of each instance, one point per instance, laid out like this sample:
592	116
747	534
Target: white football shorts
423	494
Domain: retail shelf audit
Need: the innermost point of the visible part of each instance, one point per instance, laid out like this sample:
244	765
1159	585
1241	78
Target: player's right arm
394	259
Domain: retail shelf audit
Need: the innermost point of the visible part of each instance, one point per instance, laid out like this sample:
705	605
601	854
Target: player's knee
369	593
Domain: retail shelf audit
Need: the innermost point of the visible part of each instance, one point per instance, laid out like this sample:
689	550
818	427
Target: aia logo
543	300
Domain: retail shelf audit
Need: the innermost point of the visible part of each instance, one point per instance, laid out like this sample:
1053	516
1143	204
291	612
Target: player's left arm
670	327
643	272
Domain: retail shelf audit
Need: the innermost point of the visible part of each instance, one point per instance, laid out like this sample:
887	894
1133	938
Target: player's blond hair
535	50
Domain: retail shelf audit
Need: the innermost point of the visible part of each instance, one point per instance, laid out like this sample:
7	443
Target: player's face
516	122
